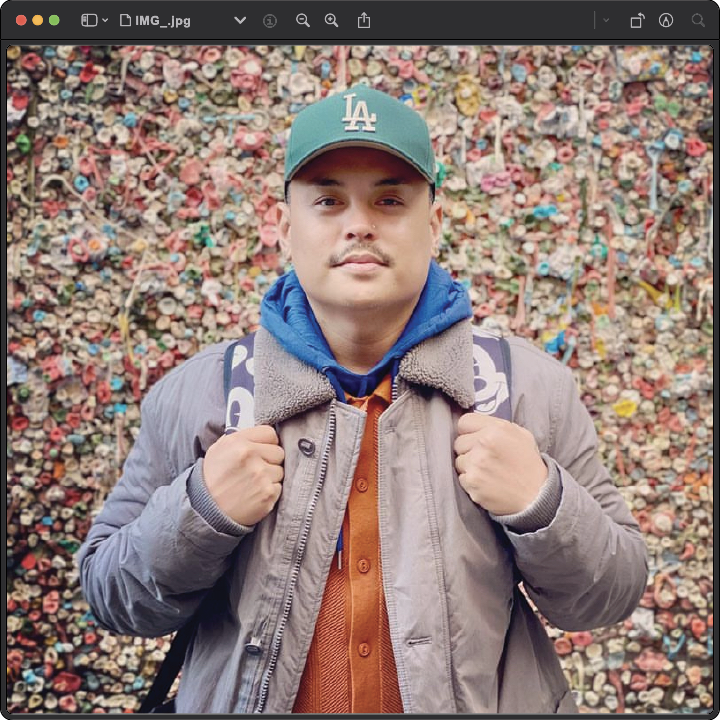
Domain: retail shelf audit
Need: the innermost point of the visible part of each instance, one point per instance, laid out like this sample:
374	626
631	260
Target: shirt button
363	649
361	485
363	565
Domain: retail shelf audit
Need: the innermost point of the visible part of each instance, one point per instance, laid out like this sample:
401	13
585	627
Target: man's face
360	229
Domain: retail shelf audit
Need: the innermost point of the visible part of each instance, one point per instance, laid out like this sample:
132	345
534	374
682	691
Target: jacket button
363	565
307	447
363	649
361	485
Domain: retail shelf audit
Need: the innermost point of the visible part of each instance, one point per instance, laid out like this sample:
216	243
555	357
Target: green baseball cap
360	117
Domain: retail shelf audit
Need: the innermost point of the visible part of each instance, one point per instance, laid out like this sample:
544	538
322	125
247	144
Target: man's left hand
498	463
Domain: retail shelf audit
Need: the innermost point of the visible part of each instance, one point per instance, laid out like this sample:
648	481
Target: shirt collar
383	391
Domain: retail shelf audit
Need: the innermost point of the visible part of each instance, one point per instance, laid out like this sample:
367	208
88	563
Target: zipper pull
253	647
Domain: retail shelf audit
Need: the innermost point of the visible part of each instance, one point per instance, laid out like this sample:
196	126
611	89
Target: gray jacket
464	636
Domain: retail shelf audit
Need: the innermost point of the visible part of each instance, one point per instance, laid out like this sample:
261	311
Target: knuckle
466	422
244	452
475	454
268	433
469	487
269	496
272	496
494	435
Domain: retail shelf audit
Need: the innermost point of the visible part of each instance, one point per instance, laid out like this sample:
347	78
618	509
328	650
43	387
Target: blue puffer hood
286	313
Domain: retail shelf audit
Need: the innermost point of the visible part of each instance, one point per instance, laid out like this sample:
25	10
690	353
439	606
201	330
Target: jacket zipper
275	651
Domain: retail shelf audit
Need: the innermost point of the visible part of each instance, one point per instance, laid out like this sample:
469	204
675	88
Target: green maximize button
53	19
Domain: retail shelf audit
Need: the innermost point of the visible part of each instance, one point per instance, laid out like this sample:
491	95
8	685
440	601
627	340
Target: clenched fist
243	472
498	463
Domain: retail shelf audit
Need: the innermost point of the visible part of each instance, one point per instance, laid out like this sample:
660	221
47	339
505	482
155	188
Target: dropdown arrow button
605	19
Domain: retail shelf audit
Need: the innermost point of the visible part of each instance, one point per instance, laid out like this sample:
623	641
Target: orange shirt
350	666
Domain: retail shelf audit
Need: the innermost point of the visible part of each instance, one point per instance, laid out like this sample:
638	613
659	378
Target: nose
360	231
359	226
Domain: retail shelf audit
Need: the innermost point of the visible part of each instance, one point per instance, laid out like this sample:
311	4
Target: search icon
301	19
331	20
697	19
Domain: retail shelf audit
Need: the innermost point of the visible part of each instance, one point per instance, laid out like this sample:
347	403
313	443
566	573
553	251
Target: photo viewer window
146	145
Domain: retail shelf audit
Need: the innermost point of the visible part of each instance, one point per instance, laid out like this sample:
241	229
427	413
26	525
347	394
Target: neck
360	342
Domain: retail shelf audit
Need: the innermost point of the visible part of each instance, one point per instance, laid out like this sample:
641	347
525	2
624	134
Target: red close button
361	485
363	565
363	649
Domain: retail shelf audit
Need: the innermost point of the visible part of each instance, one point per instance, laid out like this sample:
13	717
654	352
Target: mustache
361	248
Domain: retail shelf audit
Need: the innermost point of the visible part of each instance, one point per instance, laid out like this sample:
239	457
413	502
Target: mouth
364	259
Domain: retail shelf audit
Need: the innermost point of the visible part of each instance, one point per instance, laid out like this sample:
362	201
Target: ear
436	217
282	219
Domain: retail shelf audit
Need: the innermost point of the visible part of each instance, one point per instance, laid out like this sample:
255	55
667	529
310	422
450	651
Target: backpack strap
173	661
505	348
491	369
239	384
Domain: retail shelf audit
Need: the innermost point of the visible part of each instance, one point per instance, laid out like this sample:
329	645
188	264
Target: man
366	536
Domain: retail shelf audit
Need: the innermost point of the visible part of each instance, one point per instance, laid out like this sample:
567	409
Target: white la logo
359	115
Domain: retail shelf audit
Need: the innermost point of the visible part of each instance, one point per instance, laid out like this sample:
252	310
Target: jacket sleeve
150	557
588	567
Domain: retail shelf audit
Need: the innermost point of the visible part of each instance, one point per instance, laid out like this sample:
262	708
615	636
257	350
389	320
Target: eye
390	201
327	202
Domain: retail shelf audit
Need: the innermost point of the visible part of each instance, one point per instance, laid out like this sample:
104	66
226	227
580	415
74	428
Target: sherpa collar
285	386
287	314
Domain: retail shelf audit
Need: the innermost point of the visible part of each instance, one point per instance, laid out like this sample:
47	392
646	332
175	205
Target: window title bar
27	21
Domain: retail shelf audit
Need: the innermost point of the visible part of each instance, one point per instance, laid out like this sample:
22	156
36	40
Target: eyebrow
322	181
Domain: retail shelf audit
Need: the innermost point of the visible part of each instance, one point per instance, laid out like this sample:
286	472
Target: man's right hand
243	472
